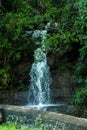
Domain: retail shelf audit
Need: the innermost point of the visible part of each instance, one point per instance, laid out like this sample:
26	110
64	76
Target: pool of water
58	107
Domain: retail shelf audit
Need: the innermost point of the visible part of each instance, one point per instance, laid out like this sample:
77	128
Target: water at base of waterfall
59	107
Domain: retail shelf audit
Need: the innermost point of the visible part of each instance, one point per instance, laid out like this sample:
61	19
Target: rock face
62	86
62	89
1	115
14	98
21	72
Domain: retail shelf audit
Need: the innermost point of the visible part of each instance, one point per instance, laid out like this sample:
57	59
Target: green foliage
17	18
14	125
81	95
37	125
71	32
5	77
15	45
81	100
81	66
62	68
61	42
21	87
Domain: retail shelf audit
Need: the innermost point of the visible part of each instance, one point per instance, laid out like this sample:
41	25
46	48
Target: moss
62	68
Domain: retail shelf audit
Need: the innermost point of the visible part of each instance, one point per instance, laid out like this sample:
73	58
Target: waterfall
39	90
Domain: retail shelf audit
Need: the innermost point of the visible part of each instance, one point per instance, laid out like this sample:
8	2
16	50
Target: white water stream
39	92
39	88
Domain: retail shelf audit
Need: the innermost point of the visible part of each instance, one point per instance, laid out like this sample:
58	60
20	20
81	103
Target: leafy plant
81	66
81	100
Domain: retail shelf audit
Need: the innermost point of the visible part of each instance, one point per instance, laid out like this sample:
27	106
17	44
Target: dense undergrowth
13	126
17	126
17	18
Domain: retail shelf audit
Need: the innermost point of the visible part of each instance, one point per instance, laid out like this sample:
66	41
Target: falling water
39	92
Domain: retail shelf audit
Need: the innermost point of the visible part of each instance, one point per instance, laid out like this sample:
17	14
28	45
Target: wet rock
2	118
62	86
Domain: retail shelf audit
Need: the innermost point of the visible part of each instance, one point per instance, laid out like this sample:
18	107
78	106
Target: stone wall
50	120
14	98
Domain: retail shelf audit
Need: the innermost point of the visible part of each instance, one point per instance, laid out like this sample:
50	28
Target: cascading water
39	92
